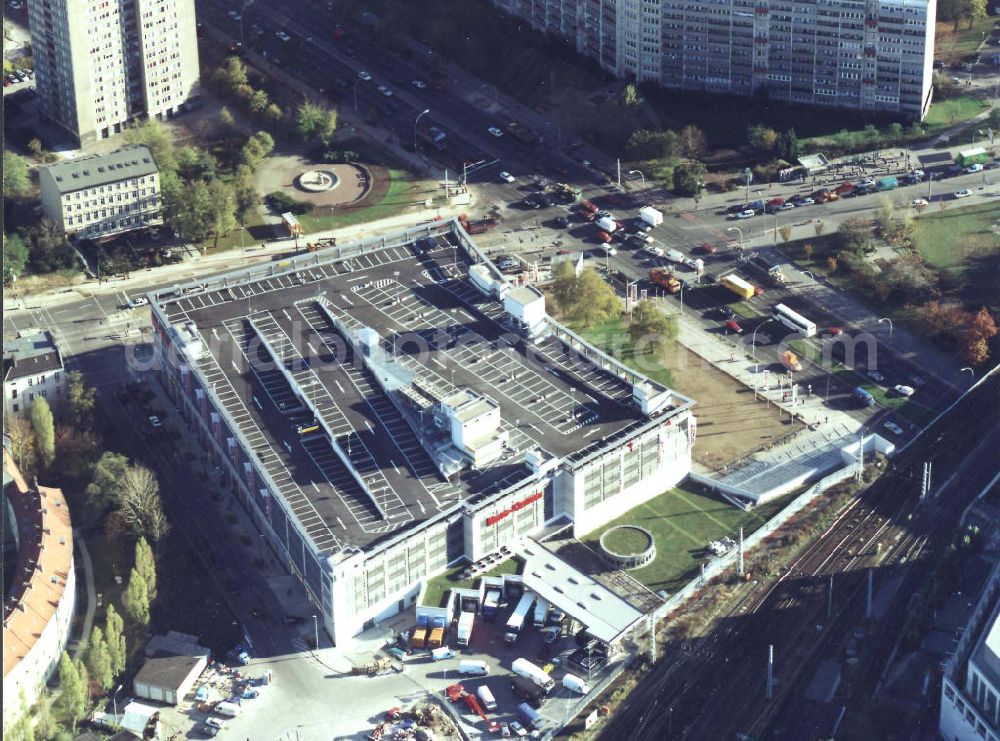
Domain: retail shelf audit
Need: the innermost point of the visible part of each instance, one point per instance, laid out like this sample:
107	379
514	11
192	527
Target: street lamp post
753	340
972	373
114	702
887	319
740	232
637	172
415	122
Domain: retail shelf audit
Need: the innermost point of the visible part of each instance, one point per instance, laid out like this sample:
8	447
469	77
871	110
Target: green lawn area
683	522
612	338
452	579
745	311
627	541
403	192
945	113
950	44
963	244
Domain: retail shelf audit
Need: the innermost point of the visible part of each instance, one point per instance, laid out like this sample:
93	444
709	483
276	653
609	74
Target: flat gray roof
606	615
437	332
100	169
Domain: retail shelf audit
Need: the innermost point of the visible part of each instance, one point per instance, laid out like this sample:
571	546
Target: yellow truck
740	287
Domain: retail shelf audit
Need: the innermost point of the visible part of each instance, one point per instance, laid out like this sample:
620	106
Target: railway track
716	687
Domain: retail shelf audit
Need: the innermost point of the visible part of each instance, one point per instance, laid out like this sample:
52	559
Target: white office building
102	63
867	54
97	196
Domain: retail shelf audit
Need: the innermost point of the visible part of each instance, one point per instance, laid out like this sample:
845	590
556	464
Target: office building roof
88	172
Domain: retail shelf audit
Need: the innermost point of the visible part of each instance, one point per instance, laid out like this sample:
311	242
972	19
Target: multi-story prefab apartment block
100	64
873	55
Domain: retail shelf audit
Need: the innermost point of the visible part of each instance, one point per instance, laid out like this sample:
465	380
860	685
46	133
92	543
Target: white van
470	668
487	699
575	684
439	654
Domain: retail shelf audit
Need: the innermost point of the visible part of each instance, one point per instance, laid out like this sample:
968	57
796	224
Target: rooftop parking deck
292	359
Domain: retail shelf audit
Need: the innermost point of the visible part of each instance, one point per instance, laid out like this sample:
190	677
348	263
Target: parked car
385	91
893	428
974	167
749	213
561	222
733	327
834	331
517	729
283	36
902	390
235	15
803	201
876	376
215	723
704	249
963	193
918	202
365	76
154	421
495	131
507	177
418	84
726	312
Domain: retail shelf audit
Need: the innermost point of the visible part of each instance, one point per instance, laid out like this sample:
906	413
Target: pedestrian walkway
79	642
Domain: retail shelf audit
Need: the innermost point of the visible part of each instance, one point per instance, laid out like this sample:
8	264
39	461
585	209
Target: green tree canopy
80	400
45	431
16	179
688	177
114	636
245	191
99	660
72	691
585	299
762	138
652	331
48	249
644	144
155	135
135	598
313	122
109	472
145	564
15	257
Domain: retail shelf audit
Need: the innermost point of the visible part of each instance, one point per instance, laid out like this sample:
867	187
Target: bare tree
139	502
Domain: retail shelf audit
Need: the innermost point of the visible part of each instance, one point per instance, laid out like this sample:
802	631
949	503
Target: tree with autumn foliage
980	330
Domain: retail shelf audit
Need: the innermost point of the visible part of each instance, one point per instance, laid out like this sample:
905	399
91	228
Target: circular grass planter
628	546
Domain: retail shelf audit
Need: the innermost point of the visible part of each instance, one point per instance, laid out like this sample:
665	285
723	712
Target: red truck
477	227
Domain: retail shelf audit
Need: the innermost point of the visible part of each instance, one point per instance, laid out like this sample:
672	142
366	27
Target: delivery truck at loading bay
463	634
517	618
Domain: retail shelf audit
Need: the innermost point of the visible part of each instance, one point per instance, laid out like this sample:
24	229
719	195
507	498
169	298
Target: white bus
794	321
